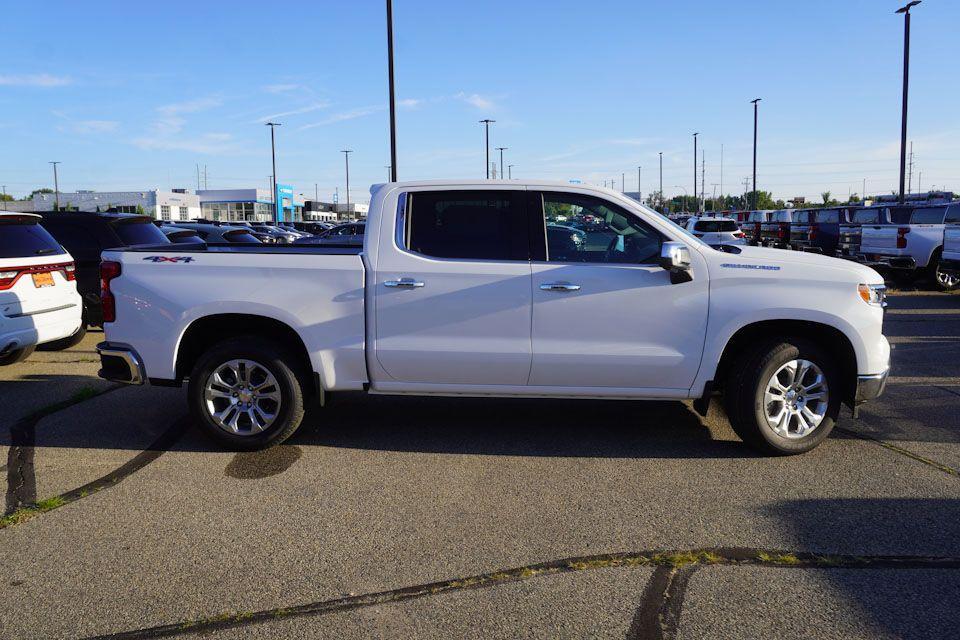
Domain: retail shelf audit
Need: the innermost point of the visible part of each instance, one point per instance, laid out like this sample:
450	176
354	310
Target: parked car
821	232
39	303
751	226
221	233
911	247
950	260
715	231
454	293
775	230
280	235
180	235
290	228
848	245
86	235
347	234
313	227
565	240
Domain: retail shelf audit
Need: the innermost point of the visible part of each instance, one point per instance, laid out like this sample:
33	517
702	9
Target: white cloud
293	112
345	115
35	80
190	106
208	143
95	126
282	88
477	100
410	103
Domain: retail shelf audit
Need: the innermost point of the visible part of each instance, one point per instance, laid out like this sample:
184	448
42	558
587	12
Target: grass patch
778	558
26	513
686	557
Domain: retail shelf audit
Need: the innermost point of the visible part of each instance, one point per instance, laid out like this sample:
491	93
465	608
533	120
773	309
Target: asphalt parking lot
402	517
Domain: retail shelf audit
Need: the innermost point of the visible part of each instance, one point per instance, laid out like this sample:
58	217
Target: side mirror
675	258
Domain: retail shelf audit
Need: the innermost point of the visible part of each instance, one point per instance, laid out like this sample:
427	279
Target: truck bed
237	247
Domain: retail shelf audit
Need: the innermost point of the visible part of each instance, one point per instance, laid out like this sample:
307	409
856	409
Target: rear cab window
139	231
23	237
953	214
800	217
715	226
466	225
239	236
827	216
869	216
928	215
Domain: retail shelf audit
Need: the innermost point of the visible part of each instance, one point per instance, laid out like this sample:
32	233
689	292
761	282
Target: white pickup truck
458	290
906	246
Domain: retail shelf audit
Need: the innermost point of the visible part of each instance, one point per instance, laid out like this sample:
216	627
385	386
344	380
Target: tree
6	197
764	200
36	192
139	210
826	197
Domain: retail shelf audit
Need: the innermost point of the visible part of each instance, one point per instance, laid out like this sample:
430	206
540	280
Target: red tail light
739	234
10	275
814	230
782	231
108	271
902	237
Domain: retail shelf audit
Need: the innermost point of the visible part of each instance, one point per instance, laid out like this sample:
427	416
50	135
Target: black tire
65	343
744	395
17	356
941	280
271	356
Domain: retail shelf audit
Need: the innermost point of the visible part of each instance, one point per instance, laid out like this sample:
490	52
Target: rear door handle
559	286
406	283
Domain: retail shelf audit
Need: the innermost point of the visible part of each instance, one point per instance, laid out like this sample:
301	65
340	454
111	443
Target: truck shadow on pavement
517	427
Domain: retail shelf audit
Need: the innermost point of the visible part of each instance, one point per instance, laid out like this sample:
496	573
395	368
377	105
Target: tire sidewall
273	358
776	356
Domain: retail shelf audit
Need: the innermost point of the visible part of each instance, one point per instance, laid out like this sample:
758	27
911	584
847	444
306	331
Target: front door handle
406	283
559	286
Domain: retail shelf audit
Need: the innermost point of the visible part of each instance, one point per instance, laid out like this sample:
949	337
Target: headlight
873	294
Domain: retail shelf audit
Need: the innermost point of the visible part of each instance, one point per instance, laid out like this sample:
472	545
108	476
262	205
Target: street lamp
510	172
755	101
273	156
905	10
695	164
486	123
346	157
501	150
393	107
56	186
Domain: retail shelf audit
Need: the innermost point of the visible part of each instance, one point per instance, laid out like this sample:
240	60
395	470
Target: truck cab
775	230
821	232
910	243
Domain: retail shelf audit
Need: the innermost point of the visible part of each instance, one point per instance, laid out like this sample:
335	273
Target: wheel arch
208	330
830	338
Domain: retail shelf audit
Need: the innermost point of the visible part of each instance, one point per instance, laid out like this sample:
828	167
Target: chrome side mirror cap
675	258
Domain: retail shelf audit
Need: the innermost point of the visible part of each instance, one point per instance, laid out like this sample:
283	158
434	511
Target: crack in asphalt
21	478
950	471
658	616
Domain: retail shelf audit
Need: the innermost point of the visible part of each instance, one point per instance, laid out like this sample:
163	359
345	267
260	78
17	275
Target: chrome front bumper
120	363
870	387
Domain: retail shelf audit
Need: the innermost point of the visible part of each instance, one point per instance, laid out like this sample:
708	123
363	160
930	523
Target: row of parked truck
902	240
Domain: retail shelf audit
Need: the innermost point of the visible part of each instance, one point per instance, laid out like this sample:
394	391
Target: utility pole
501	150
56	186
639	191
393	107
746	185
316	192
387	167
661	182
721	170
205	177
346	158
4	197
755	200
273	156
910	178
864	189
623	182
486	123
198	176
905	10
695	167
702	203
510	172
919	182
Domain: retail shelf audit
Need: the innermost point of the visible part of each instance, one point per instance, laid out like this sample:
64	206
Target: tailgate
878	237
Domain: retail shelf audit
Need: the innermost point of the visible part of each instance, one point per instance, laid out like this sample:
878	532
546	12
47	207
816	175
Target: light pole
4	197
639	192
501	150
273	156
486	123
695	165
393	107
661	182
905	10
685	193
510	172
755	101
388	168
56	186
346	158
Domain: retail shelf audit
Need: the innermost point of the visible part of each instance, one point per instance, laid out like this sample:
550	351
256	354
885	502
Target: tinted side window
609	233
23	240
239	236
470	225
928	215
827	216
868	216
79	239
139	233
953	214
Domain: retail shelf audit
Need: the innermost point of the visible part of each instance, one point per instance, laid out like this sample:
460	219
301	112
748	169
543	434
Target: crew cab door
452	297
605	314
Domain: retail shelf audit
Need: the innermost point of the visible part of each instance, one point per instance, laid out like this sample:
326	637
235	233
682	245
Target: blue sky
133	95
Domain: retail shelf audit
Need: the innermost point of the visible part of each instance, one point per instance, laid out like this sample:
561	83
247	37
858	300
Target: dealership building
178	204
250	204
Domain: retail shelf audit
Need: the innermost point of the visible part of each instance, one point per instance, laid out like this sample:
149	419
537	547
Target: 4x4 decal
169	258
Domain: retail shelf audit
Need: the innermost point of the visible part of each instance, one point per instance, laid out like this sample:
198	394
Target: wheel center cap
245	396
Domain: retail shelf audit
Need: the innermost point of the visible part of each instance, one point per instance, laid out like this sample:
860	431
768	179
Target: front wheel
945	281
783	398
18	355
244	392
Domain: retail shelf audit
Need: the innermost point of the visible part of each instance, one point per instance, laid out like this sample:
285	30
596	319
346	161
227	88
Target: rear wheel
19	355
944	281
784	397
245	393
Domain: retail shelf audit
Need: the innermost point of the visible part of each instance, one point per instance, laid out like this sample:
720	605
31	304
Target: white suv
716	230
39	303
